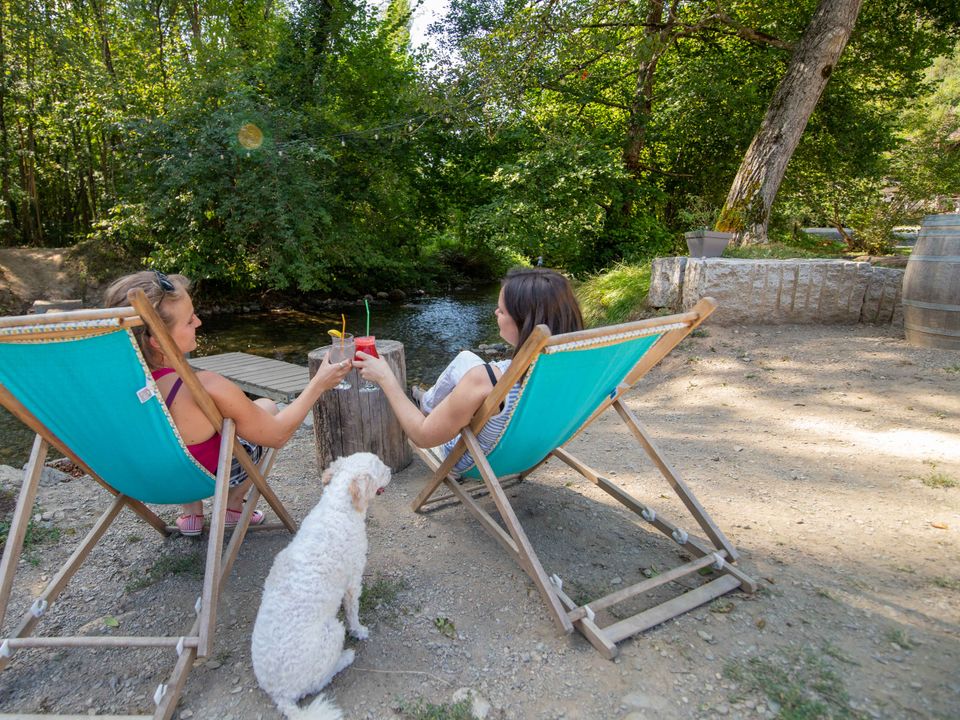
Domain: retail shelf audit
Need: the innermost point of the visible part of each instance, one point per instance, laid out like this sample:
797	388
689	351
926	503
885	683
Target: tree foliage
308	147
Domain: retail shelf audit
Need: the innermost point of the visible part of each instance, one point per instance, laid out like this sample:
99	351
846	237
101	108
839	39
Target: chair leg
440	473
258	476
173	688
528	557
67	571
695	544
676	482
21	520
148	516
591	631
243	525
731	577
211	577
218	565
178	677
239	533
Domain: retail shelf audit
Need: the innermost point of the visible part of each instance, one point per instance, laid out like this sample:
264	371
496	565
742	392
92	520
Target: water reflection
432	331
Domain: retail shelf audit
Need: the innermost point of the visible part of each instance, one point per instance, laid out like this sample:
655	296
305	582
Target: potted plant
700	213
706	243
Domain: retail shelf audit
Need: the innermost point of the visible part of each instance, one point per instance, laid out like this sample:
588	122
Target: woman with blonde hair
259	422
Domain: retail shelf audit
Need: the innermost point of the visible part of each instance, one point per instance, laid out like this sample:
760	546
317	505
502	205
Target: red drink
366	344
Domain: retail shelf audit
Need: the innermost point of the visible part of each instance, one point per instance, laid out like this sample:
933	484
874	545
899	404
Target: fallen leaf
111	621
939	525
445	626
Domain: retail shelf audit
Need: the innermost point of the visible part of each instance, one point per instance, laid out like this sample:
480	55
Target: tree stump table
349	421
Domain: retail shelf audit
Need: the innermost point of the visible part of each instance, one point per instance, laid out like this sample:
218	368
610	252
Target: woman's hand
258	425
329	374
374	369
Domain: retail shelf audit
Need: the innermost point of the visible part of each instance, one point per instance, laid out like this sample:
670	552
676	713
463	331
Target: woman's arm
257	425
446	420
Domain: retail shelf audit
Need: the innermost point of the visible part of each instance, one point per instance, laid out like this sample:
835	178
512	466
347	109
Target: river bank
50	275
827	454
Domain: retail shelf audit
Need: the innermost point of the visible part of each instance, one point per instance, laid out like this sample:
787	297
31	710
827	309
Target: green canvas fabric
85	391
562	390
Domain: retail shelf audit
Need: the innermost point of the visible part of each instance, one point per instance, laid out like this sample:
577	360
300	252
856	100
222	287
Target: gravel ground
829	455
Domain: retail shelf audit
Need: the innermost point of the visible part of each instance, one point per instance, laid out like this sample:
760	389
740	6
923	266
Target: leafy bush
562	201
452	263
243	216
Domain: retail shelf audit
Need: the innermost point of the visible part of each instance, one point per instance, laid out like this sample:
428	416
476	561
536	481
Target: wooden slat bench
265	377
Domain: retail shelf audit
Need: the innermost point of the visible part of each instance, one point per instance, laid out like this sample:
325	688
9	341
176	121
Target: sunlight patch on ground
905	443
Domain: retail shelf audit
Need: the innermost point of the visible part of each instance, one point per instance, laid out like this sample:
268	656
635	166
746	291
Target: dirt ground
829	455
29	274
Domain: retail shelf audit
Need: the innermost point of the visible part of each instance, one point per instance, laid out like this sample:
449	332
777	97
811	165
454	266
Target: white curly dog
297	644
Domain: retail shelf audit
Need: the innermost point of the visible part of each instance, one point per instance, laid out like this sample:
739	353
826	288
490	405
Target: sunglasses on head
164	282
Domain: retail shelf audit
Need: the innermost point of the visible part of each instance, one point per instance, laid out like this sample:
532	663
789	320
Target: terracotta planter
707	243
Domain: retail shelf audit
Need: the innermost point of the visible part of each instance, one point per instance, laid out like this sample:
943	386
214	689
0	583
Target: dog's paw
361	632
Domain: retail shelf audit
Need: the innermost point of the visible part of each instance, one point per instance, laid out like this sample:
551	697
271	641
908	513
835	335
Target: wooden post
349	421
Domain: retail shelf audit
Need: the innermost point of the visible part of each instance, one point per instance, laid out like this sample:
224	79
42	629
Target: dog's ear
326	476
331	470
361	498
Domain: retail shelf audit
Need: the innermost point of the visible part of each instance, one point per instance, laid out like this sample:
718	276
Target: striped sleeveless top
489	434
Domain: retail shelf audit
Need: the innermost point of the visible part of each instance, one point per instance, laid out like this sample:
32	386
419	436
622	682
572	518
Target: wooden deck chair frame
198	640
715	551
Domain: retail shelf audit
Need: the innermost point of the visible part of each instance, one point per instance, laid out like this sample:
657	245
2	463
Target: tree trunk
9	211
158	13
746	211
193	10
105	53
32	230
641	104
90	197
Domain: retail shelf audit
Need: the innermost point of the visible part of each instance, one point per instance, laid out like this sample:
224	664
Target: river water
432	330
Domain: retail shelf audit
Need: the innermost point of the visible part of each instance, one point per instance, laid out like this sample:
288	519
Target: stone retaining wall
779	291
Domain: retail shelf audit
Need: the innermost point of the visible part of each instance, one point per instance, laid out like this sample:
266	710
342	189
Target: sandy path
814	448
36	273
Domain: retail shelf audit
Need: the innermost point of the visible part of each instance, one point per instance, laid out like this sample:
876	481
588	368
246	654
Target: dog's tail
320	709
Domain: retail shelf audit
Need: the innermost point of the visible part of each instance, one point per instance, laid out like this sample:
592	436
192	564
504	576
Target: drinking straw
343	331
367	306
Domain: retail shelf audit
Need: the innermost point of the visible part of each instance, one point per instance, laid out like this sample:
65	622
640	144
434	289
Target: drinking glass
342	349
367	344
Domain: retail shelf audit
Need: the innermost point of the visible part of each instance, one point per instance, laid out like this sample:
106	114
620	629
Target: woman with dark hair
528	297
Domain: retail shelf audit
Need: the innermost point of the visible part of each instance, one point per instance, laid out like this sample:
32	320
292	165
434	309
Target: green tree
926	166
680	89
397	25
746	211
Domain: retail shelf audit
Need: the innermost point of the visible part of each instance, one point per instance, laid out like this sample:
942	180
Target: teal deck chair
79	381
567	381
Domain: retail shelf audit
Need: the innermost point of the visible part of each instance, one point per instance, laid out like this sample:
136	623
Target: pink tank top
207	453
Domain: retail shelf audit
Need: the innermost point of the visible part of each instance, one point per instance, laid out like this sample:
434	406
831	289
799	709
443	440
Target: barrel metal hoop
941	219
936	258
931	306
932	331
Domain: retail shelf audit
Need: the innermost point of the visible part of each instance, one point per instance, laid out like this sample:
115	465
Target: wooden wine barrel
349	421
931	285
